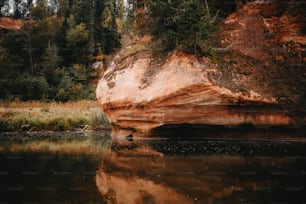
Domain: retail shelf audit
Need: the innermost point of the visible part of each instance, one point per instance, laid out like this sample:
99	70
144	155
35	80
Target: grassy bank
38	116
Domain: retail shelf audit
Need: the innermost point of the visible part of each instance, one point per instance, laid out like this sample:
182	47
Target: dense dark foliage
183	25
50	57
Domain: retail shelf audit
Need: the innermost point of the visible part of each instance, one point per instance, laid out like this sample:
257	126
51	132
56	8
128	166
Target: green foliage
50	57
78	40
106	31
77	35
31	87
183	25
4	125
107	20
64	89
14	42
64	84
98	120
59	124
38	12
74	84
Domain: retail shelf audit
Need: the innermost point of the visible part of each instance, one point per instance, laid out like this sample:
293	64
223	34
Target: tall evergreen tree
182	25
109	37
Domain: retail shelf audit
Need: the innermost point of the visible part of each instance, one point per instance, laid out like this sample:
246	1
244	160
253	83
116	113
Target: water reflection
71	143
59	168
125	177
164	171
98	169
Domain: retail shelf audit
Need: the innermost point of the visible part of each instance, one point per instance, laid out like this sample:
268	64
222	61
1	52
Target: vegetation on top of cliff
182	25
255	51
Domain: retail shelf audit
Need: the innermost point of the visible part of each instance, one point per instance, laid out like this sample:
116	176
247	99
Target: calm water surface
248	167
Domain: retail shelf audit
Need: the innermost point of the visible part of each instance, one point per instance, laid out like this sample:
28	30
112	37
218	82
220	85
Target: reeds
37	116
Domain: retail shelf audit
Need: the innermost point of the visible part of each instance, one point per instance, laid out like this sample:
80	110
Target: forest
51	56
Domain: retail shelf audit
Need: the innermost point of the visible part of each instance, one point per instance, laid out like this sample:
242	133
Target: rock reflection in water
123	176
134	172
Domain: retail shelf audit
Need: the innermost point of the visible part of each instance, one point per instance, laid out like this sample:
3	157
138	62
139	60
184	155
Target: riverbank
54	116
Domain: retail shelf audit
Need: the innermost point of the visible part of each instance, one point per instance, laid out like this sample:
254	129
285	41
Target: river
235	167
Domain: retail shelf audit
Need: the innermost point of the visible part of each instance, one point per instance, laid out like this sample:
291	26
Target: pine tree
183	25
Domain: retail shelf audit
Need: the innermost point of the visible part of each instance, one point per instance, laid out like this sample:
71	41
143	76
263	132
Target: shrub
75	85
31	87
60	84
98	119
59	124
4	125
64	89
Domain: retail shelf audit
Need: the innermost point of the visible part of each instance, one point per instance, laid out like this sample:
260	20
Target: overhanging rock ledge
144	95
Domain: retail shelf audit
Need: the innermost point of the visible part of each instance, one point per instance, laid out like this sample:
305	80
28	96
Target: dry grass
51	116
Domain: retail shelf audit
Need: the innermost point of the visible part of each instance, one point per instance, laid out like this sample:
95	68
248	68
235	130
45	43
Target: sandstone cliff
11	24
142	96
139	92
266	49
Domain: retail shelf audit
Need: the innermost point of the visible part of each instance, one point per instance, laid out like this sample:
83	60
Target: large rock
259	46
145	95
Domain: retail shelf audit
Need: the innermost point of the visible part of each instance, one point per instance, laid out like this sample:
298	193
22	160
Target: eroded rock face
144	96
265	30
